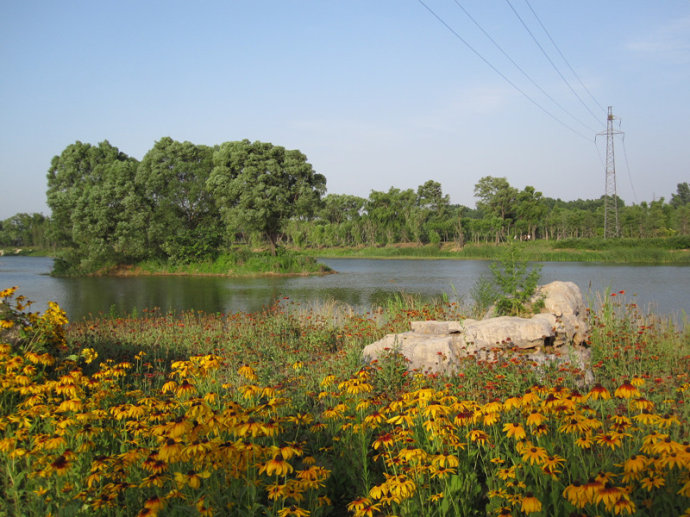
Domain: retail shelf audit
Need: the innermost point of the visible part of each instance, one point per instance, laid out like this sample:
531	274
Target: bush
511	285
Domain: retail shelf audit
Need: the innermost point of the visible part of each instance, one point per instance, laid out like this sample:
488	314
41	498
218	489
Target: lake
362	283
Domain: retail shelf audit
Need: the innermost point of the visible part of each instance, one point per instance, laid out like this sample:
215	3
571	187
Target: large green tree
87	188
530	210
179	216
25	230
682	195
496	198
257	186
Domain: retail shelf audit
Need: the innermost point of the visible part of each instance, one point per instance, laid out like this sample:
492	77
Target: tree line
185	202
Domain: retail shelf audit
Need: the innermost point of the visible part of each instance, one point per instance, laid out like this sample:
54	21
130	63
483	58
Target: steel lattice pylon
611	228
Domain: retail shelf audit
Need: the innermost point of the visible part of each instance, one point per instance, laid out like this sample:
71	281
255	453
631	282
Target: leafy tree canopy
257	186
179	215
87	186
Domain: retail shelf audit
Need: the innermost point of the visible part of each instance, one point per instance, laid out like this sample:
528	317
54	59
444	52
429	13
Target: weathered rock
564	301
423	352
557	334
508	331
436	327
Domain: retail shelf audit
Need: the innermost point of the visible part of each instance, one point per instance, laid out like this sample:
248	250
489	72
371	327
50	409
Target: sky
376	93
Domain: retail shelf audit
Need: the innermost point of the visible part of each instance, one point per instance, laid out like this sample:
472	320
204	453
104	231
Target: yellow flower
652	481
507	473
6	293
247	372
171	451
611	439
89	355
534	455
276	466
609	495
535	419
294	511
478	436
202	508
514	431
530	504
576	494
60	465
358	504
191	478
627	391
445	460
598	392
636	463
624	505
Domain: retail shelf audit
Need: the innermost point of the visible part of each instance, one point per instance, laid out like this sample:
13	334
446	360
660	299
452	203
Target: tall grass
241	262
615	251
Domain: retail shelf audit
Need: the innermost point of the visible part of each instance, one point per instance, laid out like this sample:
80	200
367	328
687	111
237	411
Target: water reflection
360	283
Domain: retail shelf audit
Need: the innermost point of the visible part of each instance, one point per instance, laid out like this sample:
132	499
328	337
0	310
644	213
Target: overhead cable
627	166
564	59
507	56
505	78
551	61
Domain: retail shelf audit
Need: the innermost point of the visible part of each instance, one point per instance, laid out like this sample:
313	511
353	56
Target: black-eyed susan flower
276	466
155	504
611	440
576	495
513	430
465	418
530	504
624	506
598	392
535	418
652	481
358	504
191	478
627	391
170	451
635	463
478	436
667	420
60	465
534	455
608	494
646	417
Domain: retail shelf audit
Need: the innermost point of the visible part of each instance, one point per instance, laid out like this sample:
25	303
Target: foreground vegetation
273	414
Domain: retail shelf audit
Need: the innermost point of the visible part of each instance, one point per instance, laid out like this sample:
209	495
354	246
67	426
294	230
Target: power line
627	166
551	61
488	63
520	68
563	57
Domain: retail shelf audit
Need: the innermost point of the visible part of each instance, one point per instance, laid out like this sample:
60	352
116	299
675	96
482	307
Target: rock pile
557	333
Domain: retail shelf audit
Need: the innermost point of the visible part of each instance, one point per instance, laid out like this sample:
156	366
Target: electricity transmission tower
611	228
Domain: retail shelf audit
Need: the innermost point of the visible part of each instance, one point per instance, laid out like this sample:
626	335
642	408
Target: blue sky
376	93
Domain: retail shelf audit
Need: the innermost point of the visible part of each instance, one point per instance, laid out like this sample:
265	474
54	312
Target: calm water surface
359	282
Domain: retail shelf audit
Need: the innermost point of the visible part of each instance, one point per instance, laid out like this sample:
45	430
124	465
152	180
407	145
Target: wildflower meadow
273	413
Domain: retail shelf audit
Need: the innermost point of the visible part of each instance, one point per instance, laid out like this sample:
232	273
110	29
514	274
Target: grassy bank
240	263
274	414
620	251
